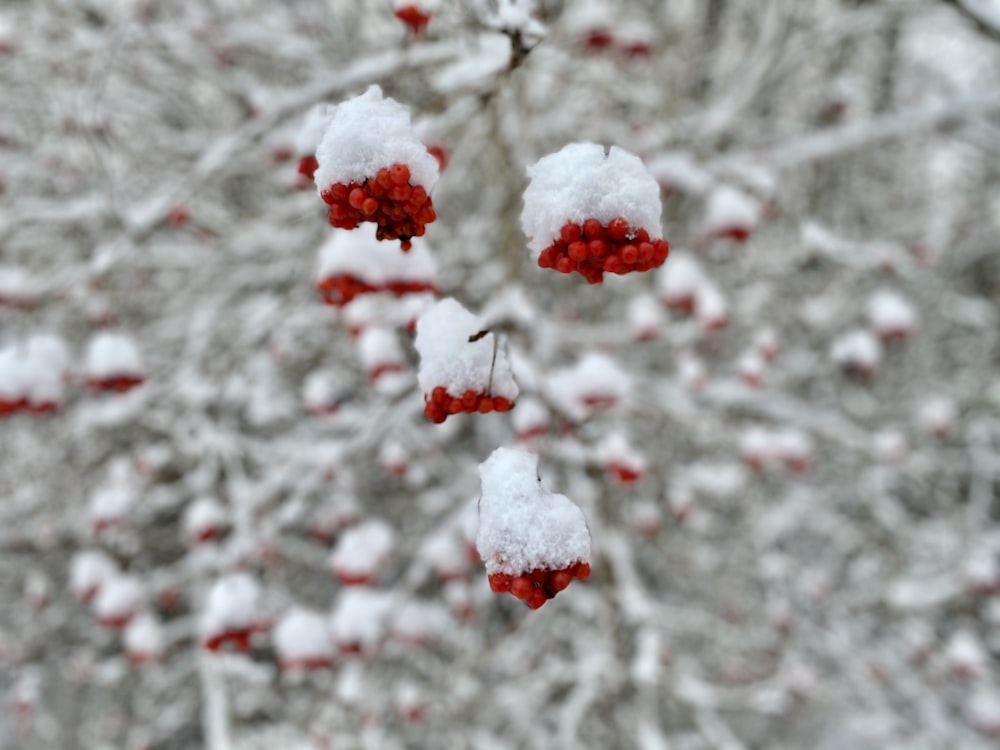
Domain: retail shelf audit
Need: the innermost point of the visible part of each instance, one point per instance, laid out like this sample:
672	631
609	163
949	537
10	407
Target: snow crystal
301	636
233	605
88	570
449	359
315	124
369	133
595	382
890	314
358	620
112	355
582	182
360	254
729	209
362	549
143	637
522	525
678	171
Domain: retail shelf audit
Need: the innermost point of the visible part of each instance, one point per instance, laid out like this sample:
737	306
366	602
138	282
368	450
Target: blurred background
793	496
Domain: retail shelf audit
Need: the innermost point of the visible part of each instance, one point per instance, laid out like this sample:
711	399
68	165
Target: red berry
565	265
548	258
597	249
642	235
357	198
570	233
646	251
418	196
370	206
536	599
485	405
618	229
502	404
522	587
399	174
435	413
630	254
500	582
582	571
613	264
469	400
439	395
577	251
558	581
454	406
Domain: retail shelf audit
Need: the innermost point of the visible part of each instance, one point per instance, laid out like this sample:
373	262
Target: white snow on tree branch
362	550
311	133
302	640
582	181
891	315
596	382
677	170
88	571
233	606
729	212
448	359
357	622
118	599
360	254
143	638
369	133
522	525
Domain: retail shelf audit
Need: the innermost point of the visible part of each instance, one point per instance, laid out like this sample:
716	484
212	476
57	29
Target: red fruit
500	582
454	406
502	404
469	400
565	265
577	251
548	258
439	395
536	599
307	166
486	405
558	581
593	230
618	229
399	174
597	249
413	17
630	254
571	233
357	198
582	571
522	587
435	413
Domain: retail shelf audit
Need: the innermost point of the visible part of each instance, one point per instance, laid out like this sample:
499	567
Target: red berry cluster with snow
33	374
362	551
462	369
302	641
534	542
594	384
232	612
731	214
354	263
590	211
19	289
113	363
892	317
373	168
685	287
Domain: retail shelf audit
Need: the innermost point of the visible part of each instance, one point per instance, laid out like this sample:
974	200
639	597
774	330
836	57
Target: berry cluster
540	585
440	404
116	383
340	289
413	17
592	248
400	209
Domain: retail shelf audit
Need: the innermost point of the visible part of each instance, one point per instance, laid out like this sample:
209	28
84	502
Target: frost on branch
593	212
461	370
353	263
533	541
373	167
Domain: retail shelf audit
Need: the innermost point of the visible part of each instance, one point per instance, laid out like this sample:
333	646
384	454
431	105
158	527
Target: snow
965	656
18	287
890	446
143	638
118	598
450	360
88	571
204	516
362	549
320	391
710	307
891	315
677	170
110	503
417	622
233	605
615	450
529	418
522	525
594	383
691	372
728	209
445	551
315	124
111	355
360	254
645	317
857	349
369	133
380	351
358	619
34	370
301	637
581	182
937	415
679	280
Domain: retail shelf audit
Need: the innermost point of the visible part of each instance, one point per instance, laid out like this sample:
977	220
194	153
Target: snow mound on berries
449	359
89	569
369	133
143	637
522	525
582	182
301	638
360	254
234	604
596	382
112	355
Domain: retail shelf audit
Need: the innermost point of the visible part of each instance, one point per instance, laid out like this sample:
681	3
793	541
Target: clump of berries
539	585
591	249
307	166
440	404
341	289
401	210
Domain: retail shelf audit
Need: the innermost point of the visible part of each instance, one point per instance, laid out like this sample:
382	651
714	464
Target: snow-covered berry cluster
413	13
533	542
593	213
373	168
461	367
355	263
